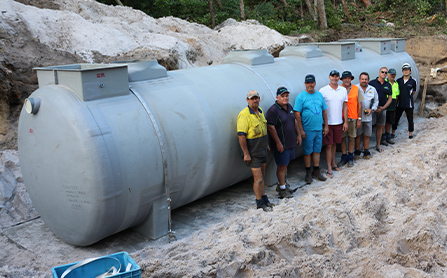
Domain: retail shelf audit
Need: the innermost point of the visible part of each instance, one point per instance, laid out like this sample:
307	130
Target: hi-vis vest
353	96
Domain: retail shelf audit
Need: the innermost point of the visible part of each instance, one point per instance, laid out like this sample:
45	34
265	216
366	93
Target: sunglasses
385	72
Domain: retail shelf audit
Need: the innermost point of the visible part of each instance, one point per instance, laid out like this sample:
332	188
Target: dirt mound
48	33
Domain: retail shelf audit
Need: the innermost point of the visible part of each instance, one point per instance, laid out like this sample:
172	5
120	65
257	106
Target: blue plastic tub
97	266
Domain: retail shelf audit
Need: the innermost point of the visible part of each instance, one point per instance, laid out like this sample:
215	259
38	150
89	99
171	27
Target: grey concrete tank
102	146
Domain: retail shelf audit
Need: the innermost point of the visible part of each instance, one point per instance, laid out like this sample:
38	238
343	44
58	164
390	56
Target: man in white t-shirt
336	98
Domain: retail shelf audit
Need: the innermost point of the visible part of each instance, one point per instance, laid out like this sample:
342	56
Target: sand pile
385	217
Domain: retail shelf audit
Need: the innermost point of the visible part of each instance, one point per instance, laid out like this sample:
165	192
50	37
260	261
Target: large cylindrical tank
99	144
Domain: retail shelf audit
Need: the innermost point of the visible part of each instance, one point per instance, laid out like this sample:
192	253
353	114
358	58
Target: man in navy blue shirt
407	88
284	136
384	91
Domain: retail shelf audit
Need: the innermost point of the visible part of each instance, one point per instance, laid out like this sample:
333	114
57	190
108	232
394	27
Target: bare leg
307	160
357	142
258	184
343	145
316	159
334	148
281	171
351	144
379	131
328	153
365	142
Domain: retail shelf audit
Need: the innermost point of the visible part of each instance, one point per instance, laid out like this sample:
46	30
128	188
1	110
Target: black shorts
390	117
256	162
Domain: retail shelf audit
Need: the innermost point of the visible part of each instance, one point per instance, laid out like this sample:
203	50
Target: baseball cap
406	66
334	72
281	90
252	94
310	78
347	74
391	71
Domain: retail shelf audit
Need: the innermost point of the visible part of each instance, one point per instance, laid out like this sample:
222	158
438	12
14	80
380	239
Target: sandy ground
385	217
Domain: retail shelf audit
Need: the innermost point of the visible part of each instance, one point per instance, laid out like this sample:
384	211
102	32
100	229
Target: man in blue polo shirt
284	136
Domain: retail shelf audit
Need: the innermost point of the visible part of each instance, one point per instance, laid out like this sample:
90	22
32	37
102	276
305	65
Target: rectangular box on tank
342	50
398	45
379	45
88	81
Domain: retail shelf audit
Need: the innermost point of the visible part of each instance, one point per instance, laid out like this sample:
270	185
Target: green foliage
284	27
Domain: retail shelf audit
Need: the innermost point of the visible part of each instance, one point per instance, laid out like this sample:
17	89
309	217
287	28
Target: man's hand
379	109
280	147
325	130
369	111
303	134
247	158
299	140
359	124
345	126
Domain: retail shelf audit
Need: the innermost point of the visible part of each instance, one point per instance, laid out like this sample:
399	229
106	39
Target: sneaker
284	193
308	178
350	163
410	137
317	174
388	140
357	154
383	142
393	135
261	204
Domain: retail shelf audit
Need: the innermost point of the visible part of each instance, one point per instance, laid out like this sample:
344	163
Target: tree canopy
299	16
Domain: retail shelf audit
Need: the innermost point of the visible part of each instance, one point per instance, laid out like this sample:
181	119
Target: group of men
336	114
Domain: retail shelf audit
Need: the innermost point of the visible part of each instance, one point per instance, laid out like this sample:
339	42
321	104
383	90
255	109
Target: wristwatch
359	118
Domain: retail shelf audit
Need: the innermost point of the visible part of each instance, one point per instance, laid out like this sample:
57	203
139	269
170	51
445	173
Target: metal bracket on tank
162	144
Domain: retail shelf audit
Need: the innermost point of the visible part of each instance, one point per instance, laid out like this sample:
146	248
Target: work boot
308	178
284	193
287	187
261	204
343	161
316	173
357	154
266	201
390	141
366	154
350	159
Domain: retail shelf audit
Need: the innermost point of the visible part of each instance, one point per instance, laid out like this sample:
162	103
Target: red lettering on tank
31	130
100	75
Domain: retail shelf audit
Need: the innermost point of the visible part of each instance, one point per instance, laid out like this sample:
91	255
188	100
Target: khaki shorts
352	129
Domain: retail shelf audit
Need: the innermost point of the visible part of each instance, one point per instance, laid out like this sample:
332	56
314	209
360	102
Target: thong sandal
330	175
379	149
335	168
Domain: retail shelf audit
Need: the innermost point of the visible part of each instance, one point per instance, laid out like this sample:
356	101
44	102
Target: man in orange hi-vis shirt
355	98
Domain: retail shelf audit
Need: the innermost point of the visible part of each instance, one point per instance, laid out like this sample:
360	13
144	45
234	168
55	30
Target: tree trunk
322	14
285	3
213	20
241	2
302	12
311	10
219	3
345	7
367	3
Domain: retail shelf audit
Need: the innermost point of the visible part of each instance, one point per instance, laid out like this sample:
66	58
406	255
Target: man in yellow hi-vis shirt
252	133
